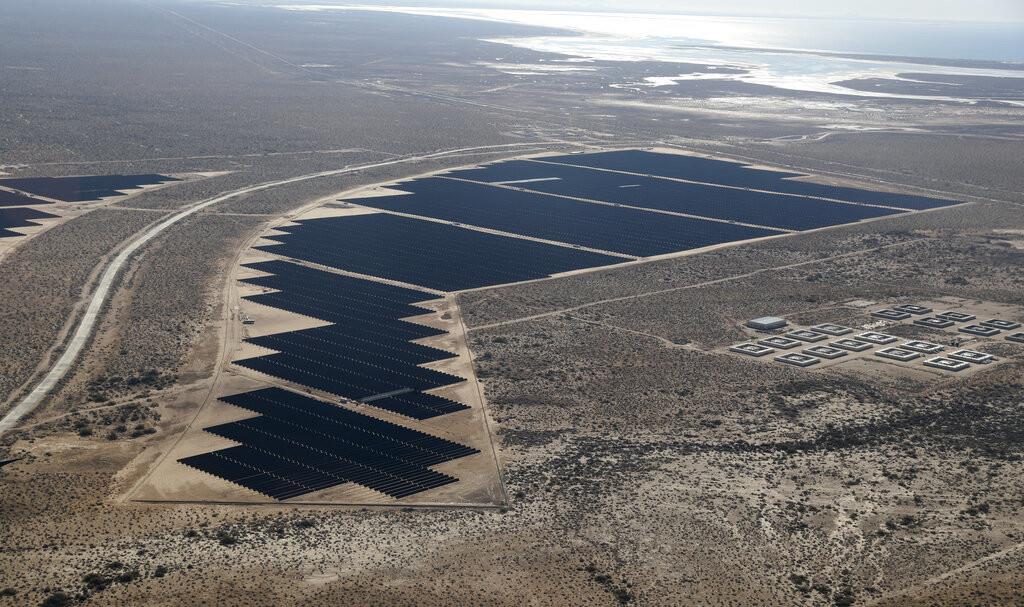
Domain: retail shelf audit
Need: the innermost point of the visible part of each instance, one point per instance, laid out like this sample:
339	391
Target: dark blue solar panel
430	254
276	477
340	312
679	166
367	353
284	405
730	173
84	188
19	217
597	226
347	290
335	339
299	445
418	405
747	206
15	199
356	363
346	377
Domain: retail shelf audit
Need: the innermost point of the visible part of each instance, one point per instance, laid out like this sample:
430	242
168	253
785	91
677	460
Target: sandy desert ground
640	462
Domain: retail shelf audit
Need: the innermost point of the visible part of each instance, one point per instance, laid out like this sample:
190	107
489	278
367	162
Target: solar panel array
19	217
597	226
298	445
17	199
331	296
628	203
84	188
367	354
622	204
15	211
429	254
735	174
705	200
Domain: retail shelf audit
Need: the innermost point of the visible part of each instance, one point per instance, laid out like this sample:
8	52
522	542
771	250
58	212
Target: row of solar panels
429	254
721	172
367	354
557	189
73	189
19	217
597	226
553	198
15	211
616	205
18	199
298	445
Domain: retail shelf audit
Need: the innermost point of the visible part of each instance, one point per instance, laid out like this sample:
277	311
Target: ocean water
785	53
944	40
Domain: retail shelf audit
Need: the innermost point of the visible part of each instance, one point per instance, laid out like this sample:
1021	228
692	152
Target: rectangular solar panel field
417	405
760	208
679	166
730	173
337	338
19	217
371	338
338	292
16	199
357	316
277	402
597	226
83	188
299	445
359	357
428	254
346	377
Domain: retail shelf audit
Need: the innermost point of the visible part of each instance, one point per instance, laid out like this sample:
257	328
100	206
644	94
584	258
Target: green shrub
57	599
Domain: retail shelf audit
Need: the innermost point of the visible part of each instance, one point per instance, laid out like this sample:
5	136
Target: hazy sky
951	10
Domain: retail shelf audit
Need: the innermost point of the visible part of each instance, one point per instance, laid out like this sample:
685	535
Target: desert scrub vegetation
173	294
107	421
42	279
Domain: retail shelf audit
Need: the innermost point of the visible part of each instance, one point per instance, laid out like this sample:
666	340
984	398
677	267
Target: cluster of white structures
809	346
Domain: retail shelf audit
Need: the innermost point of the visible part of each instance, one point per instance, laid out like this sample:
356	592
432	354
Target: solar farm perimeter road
107	281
